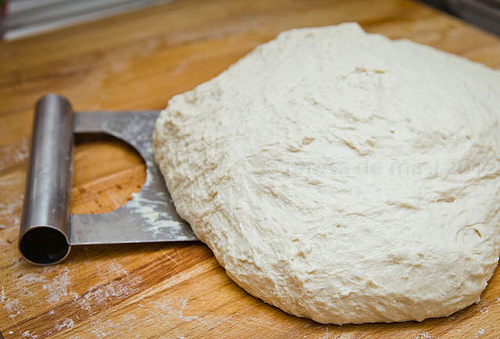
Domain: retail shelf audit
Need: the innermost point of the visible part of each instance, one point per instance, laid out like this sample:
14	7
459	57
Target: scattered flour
112	290
340	336
12	306
102	329
148	209
28	283
483	308
58	288
66	323
9	216
27	334
31	278
174	308
56	281
14	153
129	317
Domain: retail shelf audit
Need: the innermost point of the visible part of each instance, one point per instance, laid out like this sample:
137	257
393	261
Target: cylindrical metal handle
44	235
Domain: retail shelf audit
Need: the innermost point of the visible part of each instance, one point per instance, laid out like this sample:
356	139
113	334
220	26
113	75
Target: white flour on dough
342	176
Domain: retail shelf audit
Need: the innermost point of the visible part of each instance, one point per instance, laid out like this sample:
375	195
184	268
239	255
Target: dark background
482	13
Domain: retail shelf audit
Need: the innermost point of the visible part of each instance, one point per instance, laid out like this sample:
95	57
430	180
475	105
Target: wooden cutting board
138	61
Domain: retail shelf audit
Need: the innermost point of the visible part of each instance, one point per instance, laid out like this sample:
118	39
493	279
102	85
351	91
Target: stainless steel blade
150	215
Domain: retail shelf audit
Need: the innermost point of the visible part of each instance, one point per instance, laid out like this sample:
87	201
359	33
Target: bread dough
342	176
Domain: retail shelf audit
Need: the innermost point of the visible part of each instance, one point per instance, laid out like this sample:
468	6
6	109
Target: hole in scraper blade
106	172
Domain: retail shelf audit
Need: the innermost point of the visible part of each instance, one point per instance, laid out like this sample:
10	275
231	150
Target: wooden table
138	61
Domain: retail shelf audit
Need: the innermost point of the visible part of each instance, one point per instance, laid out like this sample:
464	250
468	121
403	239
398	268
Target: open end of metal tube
44	245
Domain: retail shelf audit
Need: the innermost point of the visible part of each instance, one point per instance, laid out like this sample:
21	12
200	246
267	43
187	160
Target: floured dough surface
342	176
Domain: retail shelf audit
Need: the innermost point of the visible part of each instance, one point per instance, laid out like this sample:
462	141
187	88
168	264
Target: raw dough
342	176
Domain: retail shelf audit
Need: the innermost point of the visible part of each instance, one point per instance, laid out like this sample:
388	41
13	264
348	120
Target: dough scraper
48	229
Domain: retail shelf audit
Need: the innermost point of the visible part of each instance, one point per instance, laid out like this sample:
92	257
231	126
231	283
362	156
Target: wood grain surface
138	61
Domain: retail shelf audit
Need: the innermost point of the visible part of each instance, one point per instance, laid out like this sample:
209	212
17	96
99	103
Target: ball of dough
342	176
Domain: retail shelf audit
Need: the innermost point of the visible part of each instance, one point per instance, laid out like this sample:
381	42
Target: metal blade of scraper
48	230
150	215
